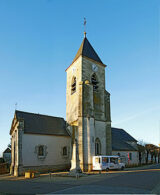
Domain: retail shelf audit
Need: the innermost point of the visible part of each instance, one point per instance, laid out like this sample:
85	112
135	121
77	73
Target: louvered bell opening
73	86
95	88
95	83
73	89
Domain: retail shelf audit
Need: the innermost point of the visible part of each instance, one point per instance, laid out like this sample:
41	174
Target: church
47	143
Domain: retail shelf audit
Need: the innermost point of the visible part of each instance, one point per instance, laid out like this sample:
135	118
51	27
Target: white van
107	163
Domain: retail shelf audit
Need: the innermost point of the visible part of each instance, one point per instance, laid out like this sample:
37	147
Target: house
7	155
125	146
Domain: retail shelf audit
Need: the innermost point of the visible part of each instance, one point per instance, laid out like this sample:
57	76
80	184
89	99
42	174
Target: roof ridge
117	128
38	114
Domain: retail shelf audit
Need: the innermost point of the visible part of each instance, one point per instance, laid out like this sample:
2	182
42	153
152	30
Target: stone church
47	143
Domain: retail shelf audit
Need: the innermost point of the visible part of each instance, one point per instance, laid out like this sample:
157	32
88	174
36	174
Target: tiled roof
42	124
87	50
119	140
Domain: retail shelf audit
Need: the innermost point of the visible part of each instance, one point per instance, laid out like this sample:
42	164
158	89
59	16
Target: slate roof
87	50
42	124
8	150
119	140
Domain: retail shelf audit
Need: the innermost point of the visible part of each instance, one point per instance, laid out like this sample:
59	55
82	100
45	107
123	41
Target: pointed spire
87	50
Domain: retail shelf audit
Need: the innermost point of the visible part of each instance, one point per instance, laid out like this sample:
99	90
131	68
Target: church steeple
88	106
87	50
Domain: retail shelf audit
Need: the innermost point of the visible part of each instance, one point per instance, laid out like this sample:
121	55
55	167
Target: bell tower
88	105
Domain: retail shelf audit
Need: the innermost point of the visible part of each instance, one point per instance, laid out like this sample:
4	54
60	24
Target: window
65	151
105	160
94	82
73	85
41	151
97	147
114	160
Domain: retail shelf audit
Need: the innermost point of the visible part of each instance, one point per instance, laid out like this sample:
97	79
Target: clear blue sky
39	39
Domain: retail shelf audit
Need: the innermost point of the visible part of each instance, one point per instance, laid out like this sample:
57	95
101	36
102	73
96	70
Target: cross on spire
85	27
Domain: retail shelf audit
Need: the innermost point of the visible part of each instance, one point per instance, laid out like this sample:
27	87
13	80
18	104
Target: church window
94	82
73	85
97	147
41	151
65	152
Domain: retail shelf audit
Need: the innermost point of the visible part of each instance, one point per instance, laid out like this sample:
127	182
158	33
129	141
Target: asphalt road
139	181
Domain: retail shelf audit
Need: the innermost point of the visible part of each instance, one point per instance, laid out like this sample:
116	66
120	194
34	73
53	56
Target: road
144	180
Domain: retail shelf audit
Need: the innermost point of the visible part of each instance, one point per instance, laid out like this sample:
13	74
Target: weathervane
85	27
16	106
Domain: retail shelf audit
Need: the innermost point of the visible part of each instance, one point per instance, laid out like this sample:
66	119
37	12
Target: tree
9	146
141	151
153	150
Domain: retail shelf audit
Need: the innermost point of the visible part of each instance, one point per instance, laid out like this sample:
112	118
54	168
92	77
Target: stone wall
43	168
72	99
89	142
88	110
54	146
25	156
124	154
97	97
100	132
14	149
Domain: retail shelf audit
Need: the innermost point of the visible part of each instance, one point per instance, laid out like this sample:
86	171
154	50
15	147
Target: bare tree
153	150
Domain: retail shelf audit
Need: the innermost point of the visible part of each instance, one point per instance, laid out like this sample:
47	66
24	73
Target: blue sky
39	39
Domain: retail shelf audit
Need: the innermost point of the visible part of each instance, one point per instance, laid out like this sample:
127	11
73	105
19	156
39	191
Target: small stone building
125	146
39	142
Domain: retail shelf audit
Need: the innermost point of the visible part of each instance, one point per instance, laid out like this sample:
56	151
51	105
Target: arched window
94	82
97	147
41	150
73	85
65	151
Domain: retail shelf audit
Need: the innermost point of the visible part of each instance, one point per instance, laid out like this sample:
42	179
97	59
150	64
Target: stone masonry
87	109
